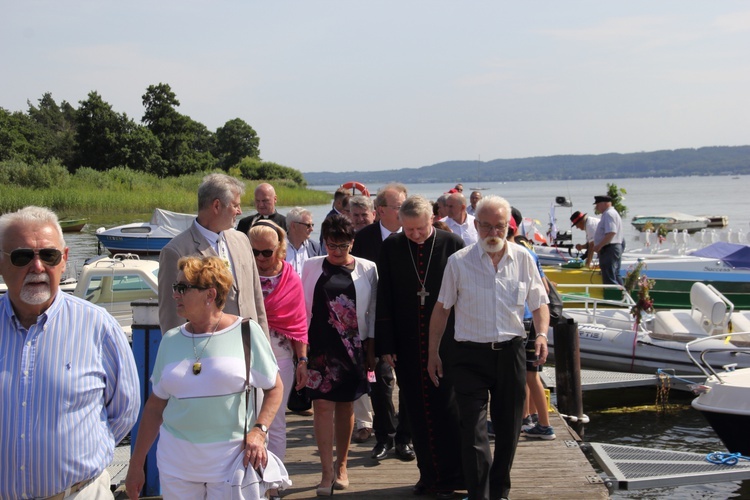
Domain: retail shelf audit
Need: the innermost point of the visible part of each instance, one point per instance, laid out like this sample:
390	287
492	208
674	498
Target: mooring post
146	339
568	373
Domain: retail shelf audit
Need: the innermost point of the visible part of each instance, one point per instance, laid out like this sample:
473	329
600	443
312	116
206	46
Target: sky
349	85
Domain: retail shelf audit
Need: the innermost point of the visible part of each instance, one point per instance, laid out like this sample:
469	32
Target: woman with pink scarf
287	319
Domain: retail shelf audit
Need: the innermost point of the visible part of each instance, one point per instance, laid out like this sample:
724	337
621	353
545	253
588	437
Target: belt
493	346
73	489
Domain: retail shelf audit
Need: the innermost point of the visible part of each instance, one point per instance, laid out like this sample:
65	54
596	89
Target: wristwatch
262	427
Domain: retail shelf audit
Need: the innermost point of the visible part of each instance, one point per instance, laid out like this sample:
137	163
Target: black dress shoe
444	495
420	489
380	451
405	452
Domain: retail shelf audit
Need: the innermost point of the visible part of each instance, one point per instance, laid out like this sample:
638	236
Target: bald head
265	199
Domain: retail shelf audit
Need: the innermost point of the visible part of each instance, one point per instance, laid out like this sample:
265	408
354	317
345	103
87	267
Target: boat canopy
173	220
733	254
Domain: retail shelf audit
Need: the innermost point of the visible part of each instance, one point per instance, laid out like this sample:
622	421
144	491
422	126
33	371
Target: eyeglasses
500	228
342	246
181	288
264	253
308	225
21	257
396	208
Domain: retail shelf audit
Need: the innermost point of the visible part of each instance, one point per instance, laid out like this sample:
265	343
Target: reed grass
124	191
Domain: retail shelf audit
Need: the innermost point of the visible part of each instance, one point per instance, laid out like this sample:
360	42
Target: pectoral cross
422	294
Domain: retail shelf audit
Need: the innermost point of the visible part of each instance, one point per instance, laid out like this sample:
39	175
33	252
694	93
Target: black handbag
298	400
555	303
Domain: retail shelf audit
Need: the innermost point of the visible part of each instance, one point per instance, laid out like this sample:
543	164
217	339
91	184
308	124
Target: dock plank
541	468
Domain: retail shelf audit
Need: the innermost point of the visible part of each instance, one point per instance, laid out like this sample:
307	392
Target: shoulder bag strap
248	388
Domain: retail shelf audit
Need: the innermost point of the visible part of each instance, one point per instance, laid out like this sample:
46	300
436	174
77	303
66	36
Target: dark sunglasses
181	288
21	257
264	253
308	225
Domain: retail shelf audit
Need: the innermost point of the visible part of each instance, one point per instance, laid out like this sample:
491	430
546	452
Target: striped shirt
489	304
69	392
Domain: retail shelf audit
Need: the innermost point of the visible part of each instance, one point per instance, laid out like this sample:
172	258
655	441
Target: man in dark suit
265	204
388	429
219	198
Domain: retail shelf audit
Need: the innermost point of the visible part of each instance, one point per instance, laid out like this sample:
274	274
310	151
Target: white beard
35	294
492	244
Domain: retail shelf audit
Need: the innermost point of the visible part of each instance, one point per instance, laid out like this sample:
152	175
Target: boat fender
358	186
584	419
723	458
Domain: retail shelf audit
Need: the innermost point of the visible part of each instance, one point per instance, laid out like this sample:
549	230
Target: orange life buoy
356	185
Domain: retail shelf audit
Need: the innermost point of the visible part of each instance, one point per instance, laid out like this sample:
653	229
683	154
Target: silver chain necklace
423	293
198	366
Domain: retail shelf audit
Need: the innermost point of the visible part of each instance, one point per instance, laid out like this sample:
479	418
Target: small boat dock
542	469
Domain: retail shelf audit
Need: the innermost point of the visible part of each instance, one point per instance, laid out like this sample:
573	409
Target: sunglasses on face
21	257
181	288
308	225
264	253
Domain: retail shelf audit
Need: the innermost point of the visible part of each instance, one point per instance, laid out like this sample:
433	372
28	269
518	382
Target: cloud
734	22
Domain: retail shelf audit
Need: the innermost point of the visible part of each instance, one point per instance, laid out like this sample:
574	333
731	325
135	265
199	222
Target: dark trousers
480	374
388	428
610	257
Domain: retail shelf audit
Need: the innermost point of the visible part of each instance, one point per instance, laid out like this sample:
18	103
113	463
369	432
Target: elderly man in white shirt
487	285
300	226
460	222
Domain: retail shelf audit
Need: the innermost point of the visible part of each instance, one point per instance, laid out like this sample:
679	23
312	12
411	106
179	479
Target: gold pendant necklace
198	366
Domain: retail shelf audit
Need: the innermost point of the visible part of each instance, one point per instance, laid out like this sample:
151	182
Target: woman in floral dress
340	292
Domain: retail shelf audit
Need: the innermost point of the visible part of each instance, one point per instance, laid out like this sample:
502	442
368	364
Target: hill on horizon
712	160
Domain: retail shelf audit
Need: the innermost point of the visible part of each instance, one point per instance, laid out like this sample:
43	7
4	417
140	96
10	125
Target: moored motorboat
609	338
670	221
145	238
726	266
724	400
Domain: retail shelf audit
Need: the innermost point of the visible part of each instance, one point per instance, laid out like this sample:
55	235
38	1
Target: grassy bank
123	191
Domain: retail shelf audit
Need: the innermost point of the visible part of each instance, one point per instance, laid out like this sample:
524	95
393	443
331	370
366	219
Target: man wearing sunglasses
68	382
212	233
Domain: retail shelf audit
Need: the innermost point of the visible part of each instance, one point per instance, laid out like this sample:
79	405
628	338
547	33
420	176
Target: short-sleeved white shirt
489	304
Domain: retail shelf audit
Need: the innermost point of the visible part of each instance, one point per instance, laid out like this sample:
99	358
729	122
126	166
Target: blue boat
145	238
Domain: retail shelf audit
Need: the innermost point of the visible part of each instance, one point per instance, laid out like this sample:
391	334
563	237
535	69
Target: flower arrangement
645	304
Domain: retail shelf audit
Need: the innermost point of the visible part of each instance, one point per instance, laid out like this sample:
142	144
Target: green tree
55	130
15	131
185	144
235	141
100	133
618	196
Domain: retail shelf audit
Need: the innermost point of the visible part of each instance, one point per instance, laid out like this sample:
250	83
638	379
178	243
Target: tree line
165	143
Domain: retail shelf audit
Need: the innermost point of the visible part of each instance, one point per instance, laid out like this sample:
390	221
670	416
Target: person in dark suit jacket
219	198
367	243
265	204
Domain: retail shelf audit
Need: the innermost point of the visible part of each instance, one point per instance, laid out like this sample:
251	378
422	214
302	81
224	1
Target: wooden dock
542	469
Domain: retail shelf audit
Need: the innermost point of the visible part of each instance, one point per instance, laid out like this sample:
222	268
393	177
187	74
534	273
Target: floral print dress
337	362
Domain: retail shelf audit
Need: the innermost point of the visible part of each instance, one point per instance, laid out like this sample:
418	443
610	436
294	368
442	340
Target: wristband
302	359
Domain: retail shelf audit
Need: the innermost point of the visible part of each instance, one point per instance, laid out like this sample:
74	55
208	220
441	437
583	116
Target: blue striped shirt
69	392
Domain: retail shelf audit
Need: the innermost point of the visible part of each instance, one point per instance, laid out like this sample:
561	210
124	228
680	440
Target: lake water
624	416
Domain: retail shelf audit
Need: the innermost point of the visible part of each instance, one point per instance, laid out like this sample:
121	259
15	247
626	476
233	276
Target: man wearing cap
589	225
608	240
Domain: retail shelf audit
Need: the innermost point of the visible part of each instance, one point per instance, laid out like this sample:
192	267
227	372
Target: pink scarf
285	306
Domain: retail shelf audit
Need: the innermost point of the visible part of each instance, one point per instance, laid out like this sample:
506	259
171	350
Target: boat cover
733	254
173	220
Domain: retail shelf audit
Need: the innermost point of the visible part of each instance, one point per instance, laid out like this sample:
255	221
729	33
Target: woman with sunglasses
197	406
287	319
340	292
